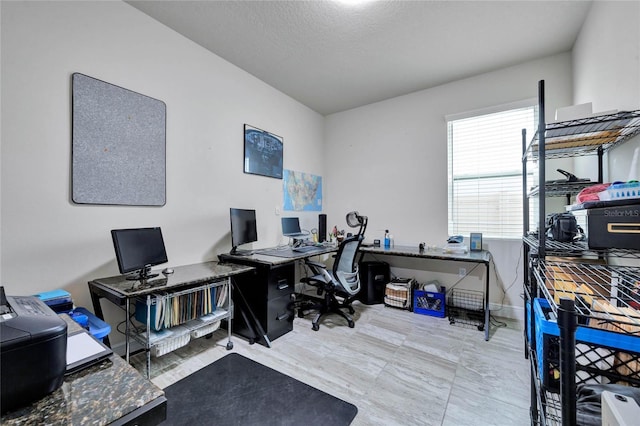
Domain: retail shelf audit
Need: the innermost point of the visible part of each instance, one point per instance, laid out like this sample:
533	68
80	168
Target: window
485	170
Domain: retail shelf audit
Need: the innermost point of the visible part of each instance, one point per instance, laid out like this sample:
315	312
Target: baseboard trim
515	313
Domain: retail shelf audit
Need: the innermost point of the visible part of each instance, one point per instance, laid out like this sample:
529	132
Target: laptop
84	350
291	227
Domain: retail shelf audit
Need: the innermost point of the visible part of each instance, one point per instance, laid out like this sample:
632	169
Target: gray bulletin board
118	145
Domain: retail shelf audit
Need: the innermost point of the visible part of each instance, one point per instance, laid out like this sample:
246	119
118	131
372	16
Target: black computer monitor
243	228
138	250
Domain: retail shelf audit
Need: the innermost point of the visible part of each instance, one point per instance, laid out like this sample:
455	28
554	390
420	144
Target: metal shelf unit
189	320
185	280
593	304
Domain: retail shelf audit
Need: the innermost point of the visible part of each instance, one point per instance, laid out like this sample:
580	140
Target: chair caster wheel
315	327
481	328
300	314
351	324
229	346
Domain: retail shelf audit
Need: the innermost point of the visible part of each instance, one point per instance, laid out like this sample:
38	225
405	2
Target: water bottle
387	239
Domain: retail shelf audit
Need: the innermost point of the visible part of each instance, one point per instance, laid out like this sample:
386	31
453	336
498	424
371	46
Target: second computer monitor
243	228
291	227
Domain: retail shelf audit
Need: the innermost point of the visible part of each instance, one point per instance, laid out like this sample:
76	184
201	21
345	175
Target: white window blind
485	172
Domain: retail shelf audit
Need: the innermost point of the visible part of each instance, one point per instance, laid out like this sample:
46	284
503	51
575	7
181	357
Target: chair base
328	305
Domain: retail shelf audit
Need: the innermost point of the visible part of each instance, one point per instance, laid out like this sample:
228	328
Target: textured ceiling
332	57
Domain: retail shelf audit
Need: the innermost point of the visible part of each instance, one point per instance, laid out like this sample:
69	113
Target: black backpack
563	227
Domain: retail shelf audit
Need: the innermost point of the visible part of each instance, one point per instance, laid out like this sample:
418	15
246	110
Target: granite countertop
97	395
187	275
481	256
268	257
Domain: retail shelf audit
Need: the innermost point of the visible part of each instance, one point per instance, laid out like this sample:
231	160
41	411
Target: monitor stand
235	252
297	242
142	275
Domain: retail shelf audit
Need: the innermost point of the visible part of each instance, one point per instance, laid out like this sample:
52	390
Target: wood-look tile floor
397	367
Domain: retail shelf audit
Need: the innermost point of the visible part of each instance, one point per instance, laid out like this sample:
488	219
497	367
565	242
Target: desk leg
229	325
126	330
487	313
97	308
252	316
148	345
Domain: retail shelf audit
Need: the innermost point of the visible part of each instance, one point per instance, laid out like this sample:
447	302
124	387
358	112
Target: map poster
302	191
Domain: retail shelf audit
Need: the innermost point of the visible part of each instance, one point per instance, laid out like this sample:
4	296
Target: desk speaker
322	227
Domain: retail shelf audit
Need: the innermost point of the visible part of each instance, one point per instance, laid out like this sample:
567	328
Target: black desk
268	293
111	392
483	257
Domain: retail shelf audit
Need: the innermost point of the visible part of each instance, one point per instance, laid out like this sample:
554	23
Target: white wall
389	159
47	241
606	61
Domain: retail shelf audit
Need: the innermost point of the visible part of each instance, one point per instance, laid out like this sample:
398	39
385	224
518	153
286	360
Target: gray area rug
235	390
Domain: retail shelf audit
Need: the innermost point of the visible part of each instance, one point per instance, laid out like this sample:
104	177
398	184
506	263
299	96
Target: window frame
453	211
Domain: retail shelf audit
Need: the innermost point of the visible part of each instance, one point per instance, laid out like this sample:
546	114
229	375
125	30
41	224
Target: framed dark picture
262	152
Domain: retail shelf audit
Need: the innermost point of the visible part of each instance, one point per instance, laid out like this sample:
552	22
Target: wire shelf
578	249
561	189
607	297
586	136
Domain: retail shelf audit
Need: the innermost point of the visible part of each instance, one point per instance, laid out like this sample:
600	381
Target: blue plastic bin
547	347
429	303
98	328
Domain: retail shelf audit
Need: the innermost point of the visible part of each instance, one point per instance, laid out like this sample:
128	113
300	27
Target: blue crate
547	346
98	328
429	303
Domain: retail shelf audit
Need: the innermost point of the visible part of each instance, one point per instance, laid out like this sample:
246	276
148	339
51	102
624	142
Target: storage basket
429	303
398	293
466	307
171	344
167	340
621	191
602	356
205	325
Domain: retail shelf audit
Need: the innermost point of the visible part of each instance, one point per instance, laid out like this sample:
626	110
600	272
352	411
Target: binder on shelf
170	310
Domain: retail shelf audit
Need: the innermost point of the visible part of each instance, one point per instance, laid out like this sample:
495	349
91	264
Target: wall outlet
462	272
277	211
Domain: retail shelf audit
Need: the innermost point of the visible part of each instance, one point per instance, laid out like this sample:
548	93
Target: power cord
462	278
492	319
131	324
515	279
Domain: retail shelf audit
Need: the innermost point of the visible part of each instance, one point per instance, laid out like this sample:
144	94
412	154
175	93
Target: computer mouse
167	271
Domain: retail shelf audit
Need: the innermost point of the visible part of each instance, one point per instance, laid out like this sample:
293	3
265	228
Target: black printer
33	350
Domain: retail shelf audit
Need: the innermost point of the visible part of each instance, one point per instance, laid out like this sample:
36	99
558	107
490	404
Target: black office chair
342	280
